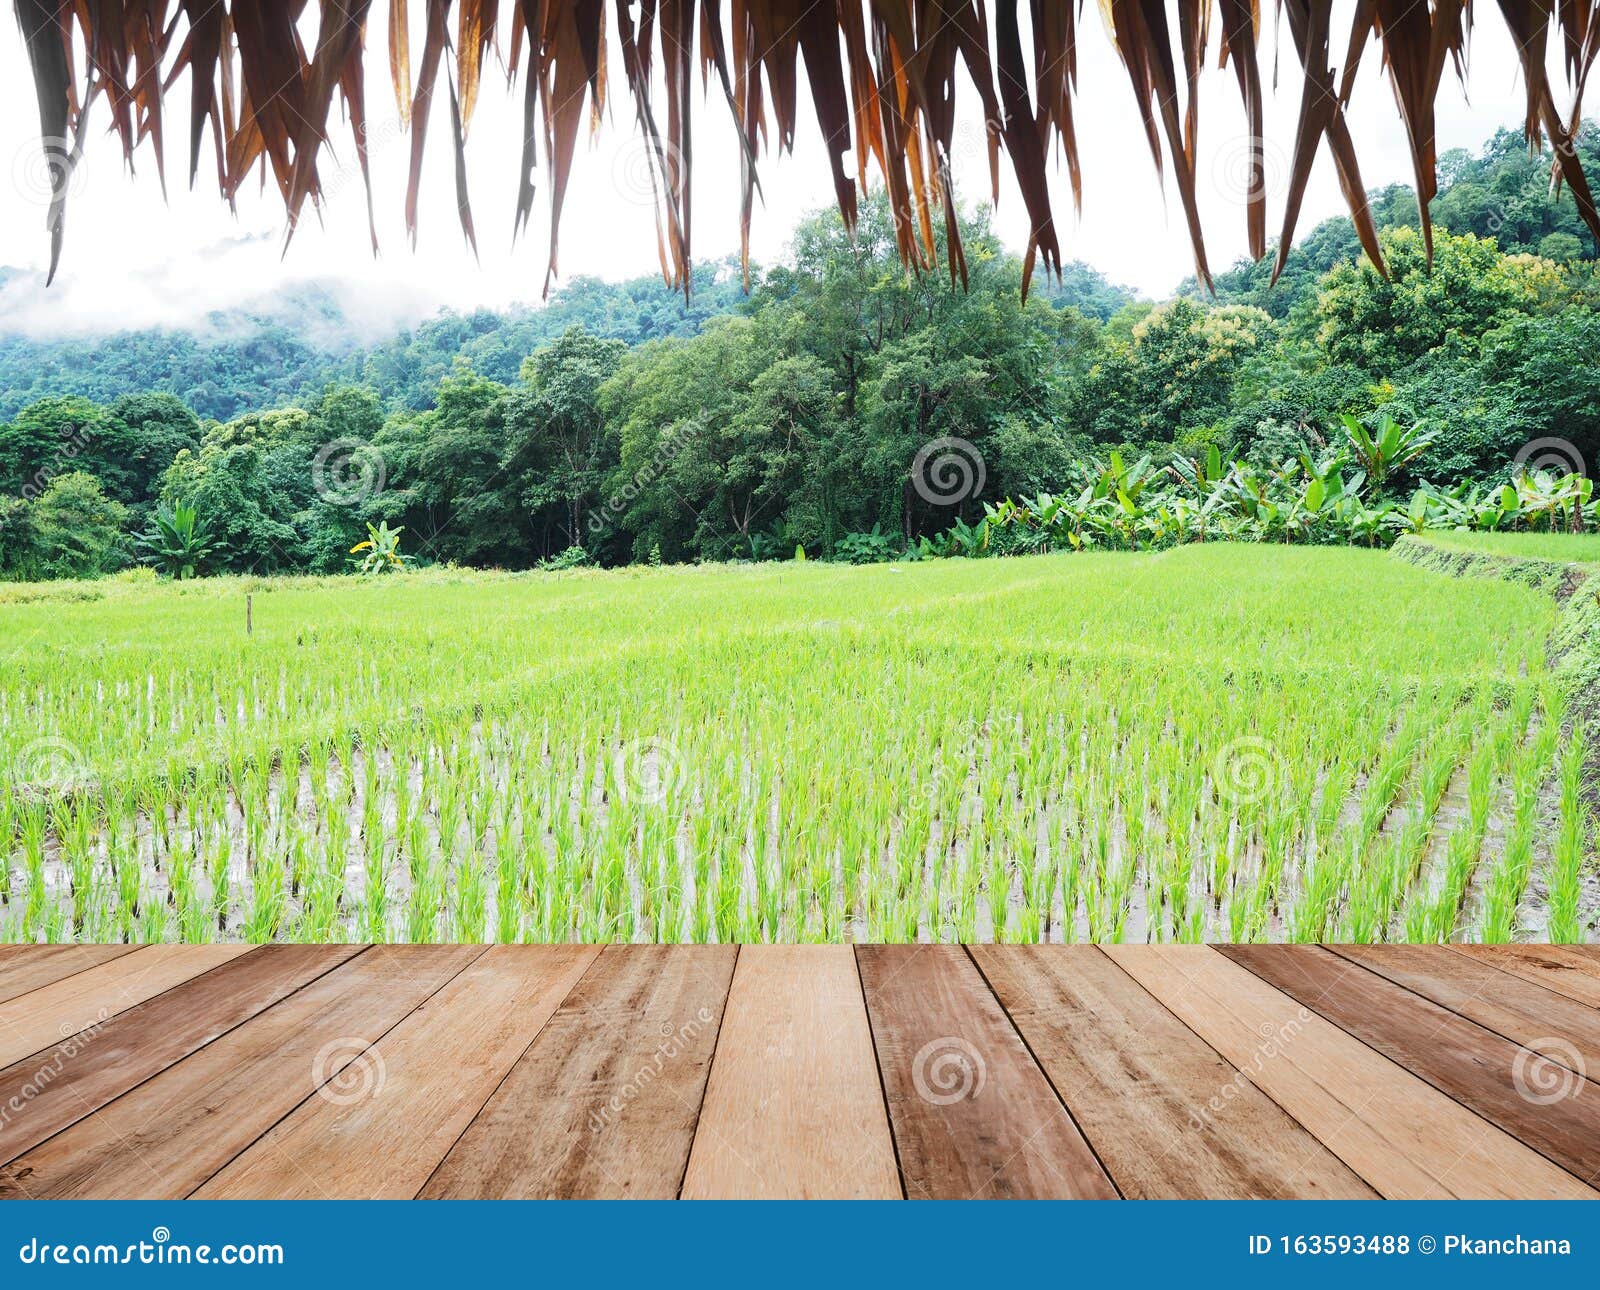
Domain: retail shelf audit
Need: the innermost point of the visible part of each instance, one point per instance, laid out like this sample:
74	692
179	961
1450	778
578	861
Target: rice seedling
1217	742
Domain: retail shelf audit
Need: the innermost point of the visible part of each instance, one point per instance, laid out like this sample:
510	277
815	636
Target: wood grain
42	1018
793	1108
636	1071
1570	970
1477	1067
1520	1010
1399	1133
82	1074
1167	1116
28	967
166	1137
440	1064
972	1113
604	1103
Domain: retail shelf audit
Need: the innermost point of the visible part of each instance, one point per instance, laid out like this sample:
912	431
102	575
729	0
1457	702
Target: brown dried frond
882	77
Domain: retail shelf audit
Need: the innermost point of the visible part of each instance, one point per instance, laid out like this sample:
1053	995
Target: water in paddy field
1049	749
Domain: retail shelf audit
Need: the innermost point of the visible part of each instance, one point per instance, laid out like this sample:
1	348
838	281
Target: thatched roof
882	76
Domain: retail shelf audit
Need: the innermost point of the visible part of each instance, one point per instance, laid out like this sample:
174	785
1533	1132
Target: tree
446	476
682	409
139	436
558	444
77	529
19	553
1176	371
1543	374
47	439
251	477
1384	324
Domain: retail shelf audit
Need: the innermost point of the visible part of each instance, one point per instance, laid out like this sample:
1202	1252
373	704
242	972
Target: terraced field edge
1575	641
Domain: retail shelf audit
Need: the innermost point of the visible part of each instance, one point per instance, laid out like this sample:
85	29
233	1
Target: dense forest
622	423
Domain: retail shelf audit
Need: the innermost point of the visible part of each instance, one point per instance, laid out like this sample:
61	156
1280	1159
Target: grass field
1218	742
1573	548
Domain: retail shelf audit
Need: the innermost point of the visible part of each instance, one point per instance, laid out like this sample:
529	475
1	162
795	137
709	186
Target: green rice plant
1033	749
1573	843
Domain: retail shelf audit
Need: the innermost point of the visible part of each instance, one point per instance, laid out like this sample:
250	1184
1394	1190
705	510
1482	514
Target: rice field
1211	743
1572	548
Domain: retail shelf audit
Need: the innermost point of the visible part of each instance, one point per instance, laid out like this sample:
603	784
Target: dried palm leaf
882	77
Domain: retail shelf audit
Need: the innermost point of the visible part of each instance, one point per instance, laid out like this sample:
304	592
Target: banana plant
380	553
1552	499
178	543
1367	524
1390	450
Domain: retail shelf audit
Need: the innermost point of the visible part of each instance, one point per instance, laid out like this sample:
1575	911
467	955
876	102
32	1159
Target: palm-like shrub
1337	497
178	543
380	553
1391	449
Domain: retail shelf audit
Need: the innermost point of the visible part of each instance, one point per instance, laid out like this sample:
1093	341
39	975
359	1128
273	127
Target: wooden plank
793	1108
440	1064
1526	1013
1167	1116
1480	1069
1572	970
45	1094
168	1136
30	967
972	1113
604	1102
41	1018
1407	1139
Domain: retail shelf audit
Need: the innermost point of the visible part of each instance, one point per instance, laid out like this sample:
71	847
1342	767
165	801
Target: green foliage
380	551
623	421
77	530
1388	450
1340	496
573	557
1219	742
1383	324
866	548
178	542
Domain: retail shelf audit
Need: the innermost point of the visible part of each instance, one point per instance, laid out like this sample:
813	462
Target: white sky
132	259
